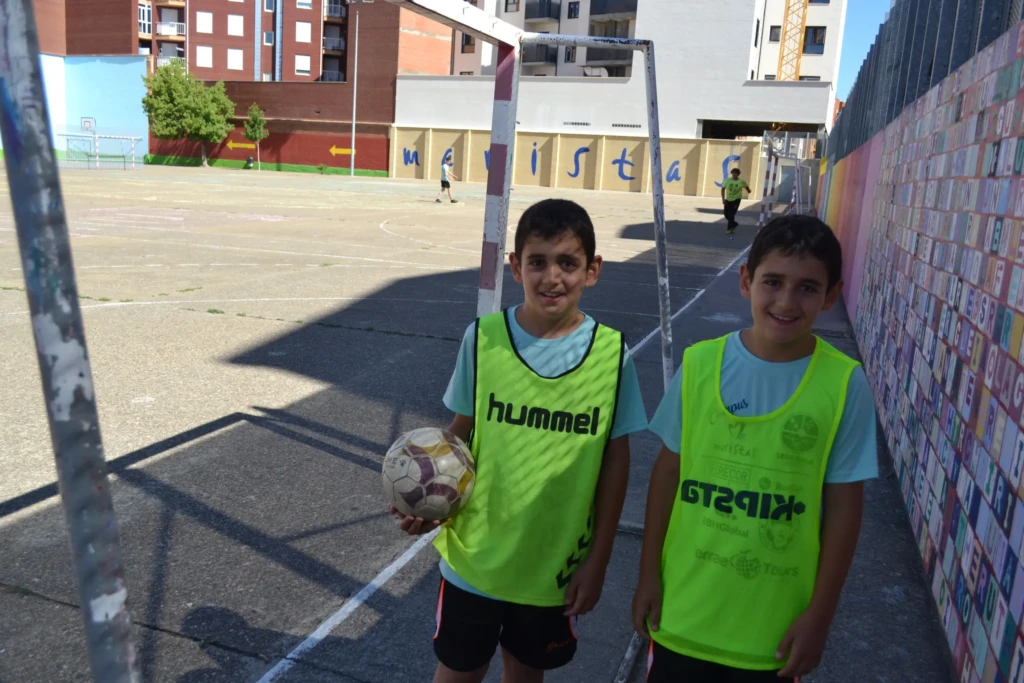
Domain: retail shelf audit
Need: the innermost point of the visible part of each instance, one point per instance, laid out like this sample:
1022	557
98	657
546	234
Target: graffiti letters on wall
940	323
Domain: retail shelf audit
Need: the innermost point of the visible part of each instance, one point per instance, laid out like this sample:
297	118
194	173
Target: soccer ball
428	473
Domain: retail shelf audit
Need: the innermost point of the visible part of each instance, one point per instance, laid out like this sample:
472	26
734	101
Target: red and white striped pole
771	192
499	177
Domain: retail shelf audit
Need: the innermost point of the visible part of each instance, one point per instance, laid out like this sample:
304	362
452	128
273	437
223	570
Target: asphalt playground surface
257	342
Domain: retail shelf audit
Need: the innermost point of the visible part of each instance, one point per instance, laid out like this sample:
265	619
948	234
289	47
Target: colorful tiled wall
930	213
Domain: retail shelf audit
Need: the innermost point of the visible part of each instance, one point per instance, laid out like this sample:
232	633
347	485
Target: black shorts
470	627
445	185
666	666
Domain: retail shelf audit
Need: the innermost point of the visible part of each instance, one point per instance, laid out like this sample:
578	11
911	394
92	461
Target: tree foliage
256	124
180	106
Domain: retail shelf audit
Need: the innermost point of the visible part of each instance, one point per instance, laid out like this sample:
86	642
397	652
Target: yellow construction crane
794	24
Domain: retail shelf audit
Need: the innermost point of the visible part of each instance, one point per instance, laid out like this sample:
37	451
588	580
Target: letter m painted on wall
408	157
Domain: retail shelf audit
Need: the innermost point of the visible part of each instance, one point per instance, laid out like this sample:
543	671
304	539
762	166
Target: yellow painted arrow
241	145
335	151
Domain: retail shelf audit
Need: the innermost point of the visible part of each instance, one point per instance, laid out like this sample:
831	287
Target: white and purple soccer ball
428	473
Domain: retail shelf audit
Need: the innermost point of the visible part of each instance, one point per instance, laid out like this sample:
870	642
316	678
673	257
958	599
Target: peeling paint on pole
61	349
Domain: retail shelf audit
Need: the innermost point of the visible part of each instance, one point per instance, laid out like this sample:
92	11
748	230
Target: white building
616	18
711	75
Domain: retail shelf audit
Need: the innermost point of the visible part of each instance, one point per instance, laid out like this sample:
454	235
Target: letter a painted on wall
533	160
408	157
725	168
673	173
622	162
576	160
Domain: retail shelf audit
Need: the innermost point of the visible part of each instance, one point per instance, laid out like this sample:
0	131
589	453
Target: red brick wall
102	27
424	45
297	147
314	48
50	22
220	41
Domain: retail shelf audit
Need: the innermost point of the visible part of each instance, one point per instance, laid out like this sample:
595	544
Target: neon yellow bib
538	445
741	553
734	189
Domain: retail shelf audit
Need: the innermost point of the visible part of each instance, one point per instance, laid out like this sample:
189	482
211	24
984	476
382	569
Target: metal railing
612	7
543	10
604	54
332	43
170	28
335	9
540	54
164	61
919	45
332	76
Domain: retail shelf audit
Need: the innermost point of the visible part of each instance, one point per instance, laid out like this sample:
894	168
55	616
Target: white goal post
510	40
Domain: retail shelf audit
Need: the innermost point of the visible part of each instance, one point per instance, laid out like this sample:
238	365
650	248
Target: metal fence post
60	345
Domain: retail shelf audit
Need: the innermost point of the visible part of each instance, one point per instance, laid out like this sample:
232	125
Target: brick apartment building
292	57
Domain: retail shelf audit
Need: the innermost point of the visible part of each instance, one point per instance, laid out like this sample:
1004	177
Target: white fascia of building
705	54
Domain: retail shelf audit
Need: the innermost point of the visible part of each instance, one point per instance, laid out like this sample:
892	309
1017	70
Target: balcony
624	8
332	76
608	55
174	29
164	61
540	54
543	10
169	3
335	10
332	44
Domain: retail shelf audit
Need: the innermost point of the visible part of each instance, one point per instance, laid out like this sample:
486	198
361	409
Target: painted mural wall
591	162
930	214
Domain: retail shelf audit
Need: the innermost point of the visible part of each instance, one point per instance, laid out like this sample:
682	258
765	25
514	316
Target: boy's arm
585	588
723	192
461	426
661	495
843	505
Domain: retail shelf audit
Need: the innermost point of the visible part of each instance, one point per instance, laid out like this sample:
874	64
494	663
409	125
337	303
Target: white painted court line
359	599
692	300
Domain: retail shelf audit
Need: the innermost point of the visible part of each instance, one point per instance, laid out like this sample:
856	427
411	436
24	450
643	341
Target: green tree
181	107
256	129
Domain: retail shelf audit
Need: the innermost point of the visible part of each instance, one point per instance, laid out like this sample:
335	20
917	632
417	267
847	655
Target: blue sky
863	18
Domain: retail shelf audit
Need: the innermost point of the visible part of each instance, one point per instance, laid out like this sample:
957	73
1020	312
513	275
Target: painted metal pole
60	346
660	240
764	190
771	191
355	89
499	177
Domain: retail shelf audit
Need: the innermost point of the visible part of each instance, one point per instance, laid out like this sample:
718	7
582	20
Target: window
751	74
268	5
204	56
301	65
304	4
268	37
468	44
511	5
303	32
236	25
769	77
570	54
574	10
235	58
145	18
818	2
774	34
757	32
204	22
810	78
268	77
465	73
814	40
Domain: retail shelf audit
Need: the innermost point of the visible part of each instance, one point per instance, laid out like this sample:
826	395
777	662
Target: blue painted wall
108	89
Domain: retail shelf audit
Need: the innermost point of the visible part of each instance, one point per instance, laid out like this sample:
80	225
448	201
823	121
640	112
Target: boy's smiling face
554	274
786	295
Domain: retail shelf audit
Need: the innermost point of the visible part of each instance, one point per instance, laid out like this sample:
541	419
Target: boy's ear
746	279
832	296
517	267
594	271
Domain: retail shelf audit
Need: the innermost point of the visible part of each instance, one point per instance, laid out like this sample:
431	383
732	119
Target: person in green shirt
732	193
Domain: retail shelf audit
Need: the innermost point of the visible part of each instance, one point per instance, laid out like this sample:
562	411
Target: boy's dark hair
799	236
550	218
735	170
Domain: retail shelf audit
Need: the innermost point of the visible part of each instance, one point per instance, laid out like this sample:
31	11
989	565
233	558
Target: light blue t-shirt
752	387
548	358
444	171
